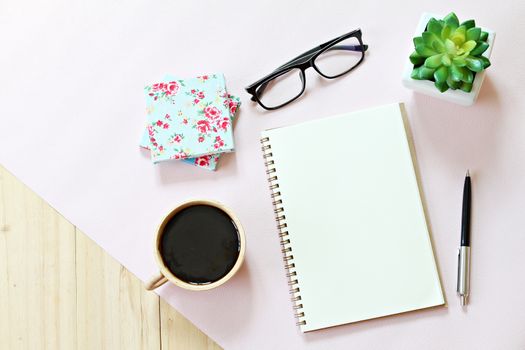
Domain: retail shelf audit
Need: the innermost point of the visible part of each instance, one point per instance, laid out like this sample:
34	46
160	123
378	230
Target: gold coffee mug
166	274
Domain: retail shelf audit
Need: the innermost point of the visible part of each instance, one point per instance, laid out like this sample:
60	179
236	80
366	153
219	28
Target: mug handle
156	281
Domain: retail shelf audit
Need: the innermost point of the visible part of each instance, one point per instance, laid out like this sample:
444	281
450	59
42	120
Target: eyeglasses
331	59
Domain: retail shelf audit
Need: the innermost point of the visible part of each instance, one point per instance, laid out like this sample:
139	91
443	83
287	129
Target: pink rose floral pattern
204	161
164	91
190	120
197	96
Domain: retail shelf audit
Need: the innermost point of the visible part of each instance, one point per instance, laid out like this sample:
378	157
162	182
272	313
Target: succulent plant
449	53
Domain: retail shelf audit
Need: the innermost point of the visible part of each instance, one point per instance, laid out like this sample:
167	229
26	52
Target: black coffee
200	244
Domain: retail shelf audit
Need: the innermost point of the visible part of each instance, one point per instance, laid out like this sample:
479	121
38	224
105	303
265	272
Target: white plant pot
427	87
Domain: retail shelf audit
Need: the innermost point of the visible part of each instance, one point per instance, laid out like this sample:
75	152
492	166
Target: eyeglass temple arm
316	49
358	48
263	86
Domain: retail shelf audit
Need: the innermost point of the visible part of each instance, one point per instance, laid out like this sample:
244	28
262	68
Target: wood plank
177	333
114	311
37	271
59	290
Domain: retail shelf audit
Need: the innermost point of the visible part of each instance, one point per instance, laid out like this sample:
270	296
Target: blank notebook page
355	219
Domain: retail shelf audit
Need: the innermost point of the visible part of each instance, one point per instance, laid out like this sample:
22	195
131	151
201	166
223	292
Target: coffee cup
199	245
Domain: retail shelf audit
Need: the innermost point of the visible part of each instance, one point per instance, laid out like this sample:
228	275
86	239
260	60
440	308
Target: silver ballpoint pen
463	283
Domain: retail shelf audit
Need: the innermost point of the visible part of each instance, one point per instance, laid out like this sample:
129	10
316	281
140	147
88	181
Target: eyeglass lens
281	89
339	58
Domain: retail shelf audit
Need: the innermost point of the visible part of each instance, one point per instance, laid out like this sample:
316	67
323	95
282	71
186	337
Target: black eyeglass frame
303	62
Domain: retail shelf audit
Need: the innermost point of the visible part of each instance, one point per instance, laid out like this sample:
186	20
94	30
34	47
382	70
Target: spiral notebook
350	218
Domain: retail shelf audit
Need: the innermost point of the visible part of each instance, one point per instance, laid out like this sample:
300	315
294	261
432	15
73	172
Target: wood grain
179	333
59	290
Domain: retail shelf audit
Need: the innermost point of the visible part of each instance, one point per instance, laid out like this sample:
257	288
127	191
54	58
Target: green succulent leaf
486	62
441	86
459	36
434	26
450	47
473	33
459	61
457	73
483	36
438	46
418	41
480	48
446	31
416	59
425	51
415	73
426	73
429	38
441	74
469	23
466	87
468	77
453	84
475	64
469	46
445	60
434	61
452	20
422	73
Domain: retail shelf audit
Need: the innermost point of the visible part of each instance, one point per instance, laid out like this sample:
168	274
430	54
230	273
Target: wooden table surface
59	290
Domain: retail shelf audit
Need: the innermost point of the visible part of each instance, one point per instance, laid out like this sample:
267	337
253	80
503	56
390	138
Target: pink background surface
73	111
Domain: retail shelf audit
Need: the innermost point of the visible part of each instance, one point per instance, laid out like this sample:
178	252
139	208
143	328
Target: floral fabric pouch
189	118
208	162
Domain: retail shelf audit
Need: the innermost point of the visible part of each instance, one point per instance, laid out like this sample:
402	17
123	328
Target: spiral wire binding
280	218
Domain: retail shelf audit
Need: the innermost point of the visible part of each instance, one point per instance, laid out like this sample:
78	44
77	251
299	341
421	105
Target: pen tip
468	173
